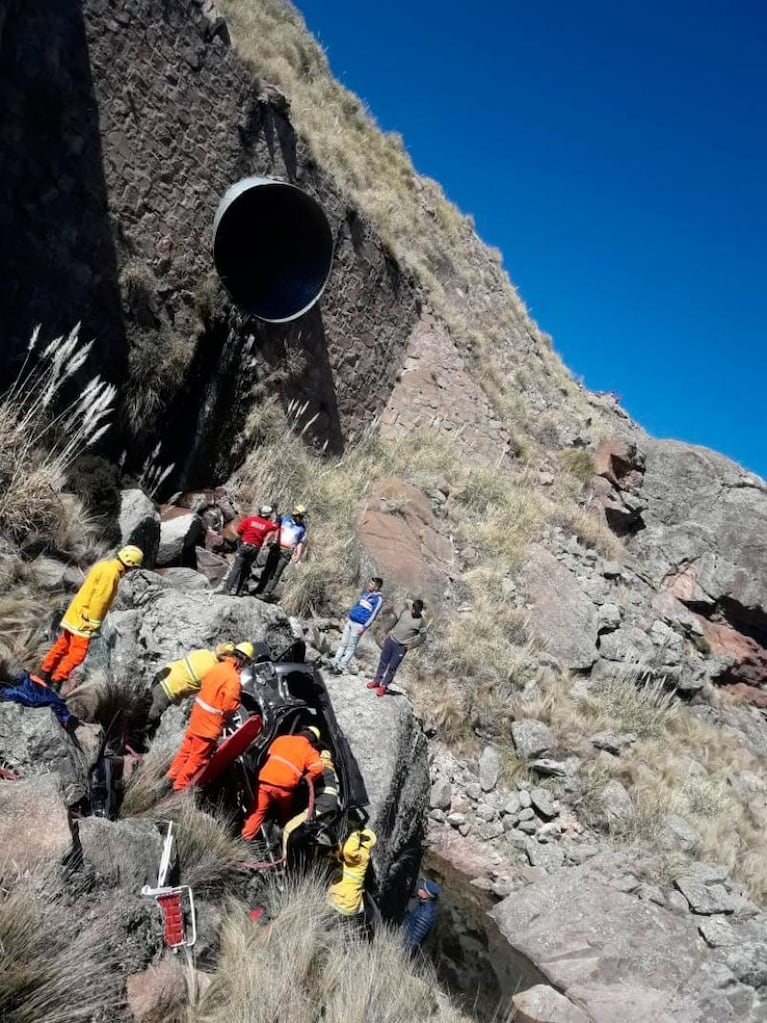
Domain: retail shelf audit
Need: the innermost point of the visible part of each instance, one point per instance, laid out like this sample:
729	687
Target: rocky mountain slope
592	690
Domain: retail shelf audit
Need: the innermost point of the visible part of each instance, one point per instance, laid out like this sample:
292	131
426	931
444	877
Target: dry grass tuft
208	853
578	462
306	964
47	953
41	436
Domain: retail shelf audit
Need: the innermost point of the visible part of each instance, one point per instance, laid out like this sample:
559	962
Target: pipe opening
272	248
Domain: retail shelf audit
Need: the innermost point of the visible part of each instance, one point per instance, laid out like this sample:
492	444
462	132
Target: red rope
7	775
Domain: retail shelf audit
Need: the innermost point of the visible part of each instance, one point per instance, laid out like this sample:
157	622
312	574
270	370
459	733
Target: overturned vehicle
282	696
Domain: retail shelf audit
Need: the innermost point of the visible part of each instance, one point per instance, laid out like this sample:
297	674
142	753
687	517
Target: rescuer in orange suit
288	759
219	696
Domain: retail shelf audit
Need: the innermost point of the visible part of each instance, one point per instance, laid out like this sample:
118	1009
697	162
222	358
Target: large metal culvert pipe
272	248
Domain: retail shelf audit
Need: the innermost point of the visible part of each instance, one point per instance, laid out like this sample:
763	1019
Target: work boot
373	683
381	691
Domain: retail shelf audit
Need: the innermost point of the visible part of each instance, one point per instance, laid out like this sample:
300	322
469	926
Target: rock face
401	543
34	822
705	542
542	1004
33	741
121	853
139	523
160	624
616	956
396	775
180	532
565	619
115	163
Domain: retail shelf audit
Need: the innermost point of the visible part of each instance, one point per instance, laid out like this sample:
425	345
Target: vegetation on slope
307	963
462	278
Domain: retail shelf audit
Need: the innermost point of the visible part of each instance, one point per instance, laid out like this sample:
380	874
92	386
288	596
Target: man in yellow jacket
86	613
345	893
180	679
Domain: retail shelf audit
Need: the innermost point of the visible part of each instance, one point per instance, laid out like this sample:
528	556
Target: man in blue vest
358	621
421	918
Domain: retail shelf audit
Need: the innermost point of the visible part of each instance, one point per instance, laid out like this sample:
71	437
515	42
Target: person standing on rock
85	615
358	621
288	760
254	531
180	679
422	917
219	697
288	547
407	633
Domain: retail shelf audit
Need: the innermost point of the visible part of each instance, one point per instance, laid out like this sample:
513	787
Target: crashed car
280	696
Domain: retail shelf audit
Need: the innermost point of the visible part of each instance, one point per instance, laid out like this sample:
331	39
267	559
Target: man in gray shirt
408	632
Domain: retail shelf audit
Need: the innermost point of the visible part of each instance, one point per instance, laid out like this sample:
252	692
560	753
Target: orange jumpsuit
219	696
290	757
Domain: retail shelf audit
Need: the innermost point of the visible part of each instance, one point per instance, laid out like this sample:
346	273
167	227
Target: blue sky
617	155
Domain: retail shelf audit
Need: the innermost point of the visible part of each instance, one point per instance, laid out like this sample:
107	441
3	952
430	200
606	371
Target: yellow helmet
314	730
223	649
299	509
244	651
131	556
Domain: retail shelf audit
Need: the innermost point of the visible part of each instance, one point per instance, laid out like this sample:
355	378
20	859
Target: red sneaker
381	691
373	684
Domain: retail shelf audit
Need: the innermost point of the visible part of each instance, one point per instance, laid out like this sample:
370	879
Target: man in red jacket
288	759
254	531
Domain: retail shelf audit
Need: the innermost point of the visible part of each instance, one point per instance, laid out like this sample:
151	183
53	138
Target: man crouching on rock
219	697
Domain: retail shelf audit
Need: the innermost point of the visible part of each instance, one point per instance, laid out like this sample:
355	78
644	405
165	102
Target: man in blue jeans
358	621
407	633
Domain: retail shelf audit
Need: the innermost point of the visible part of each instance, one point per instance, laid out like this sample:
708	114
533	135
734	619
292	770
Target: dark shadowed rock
34	821
139	523
562	616
395	769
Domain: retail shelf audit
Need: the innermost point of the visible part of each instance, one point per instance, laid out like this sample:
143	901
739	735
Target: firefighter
85	615
346	891
219	697
288	759
325	799
182	678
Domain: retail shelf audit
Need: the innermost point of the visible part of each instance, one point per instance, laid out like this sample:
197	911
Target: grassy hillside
462	278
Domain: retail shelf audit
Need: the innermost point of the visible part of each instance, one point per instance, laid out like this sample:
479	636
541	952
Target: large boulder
617	956
390	748
563	618
139	523
32	741
180	532
401	543
34	821
159	624
121	853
